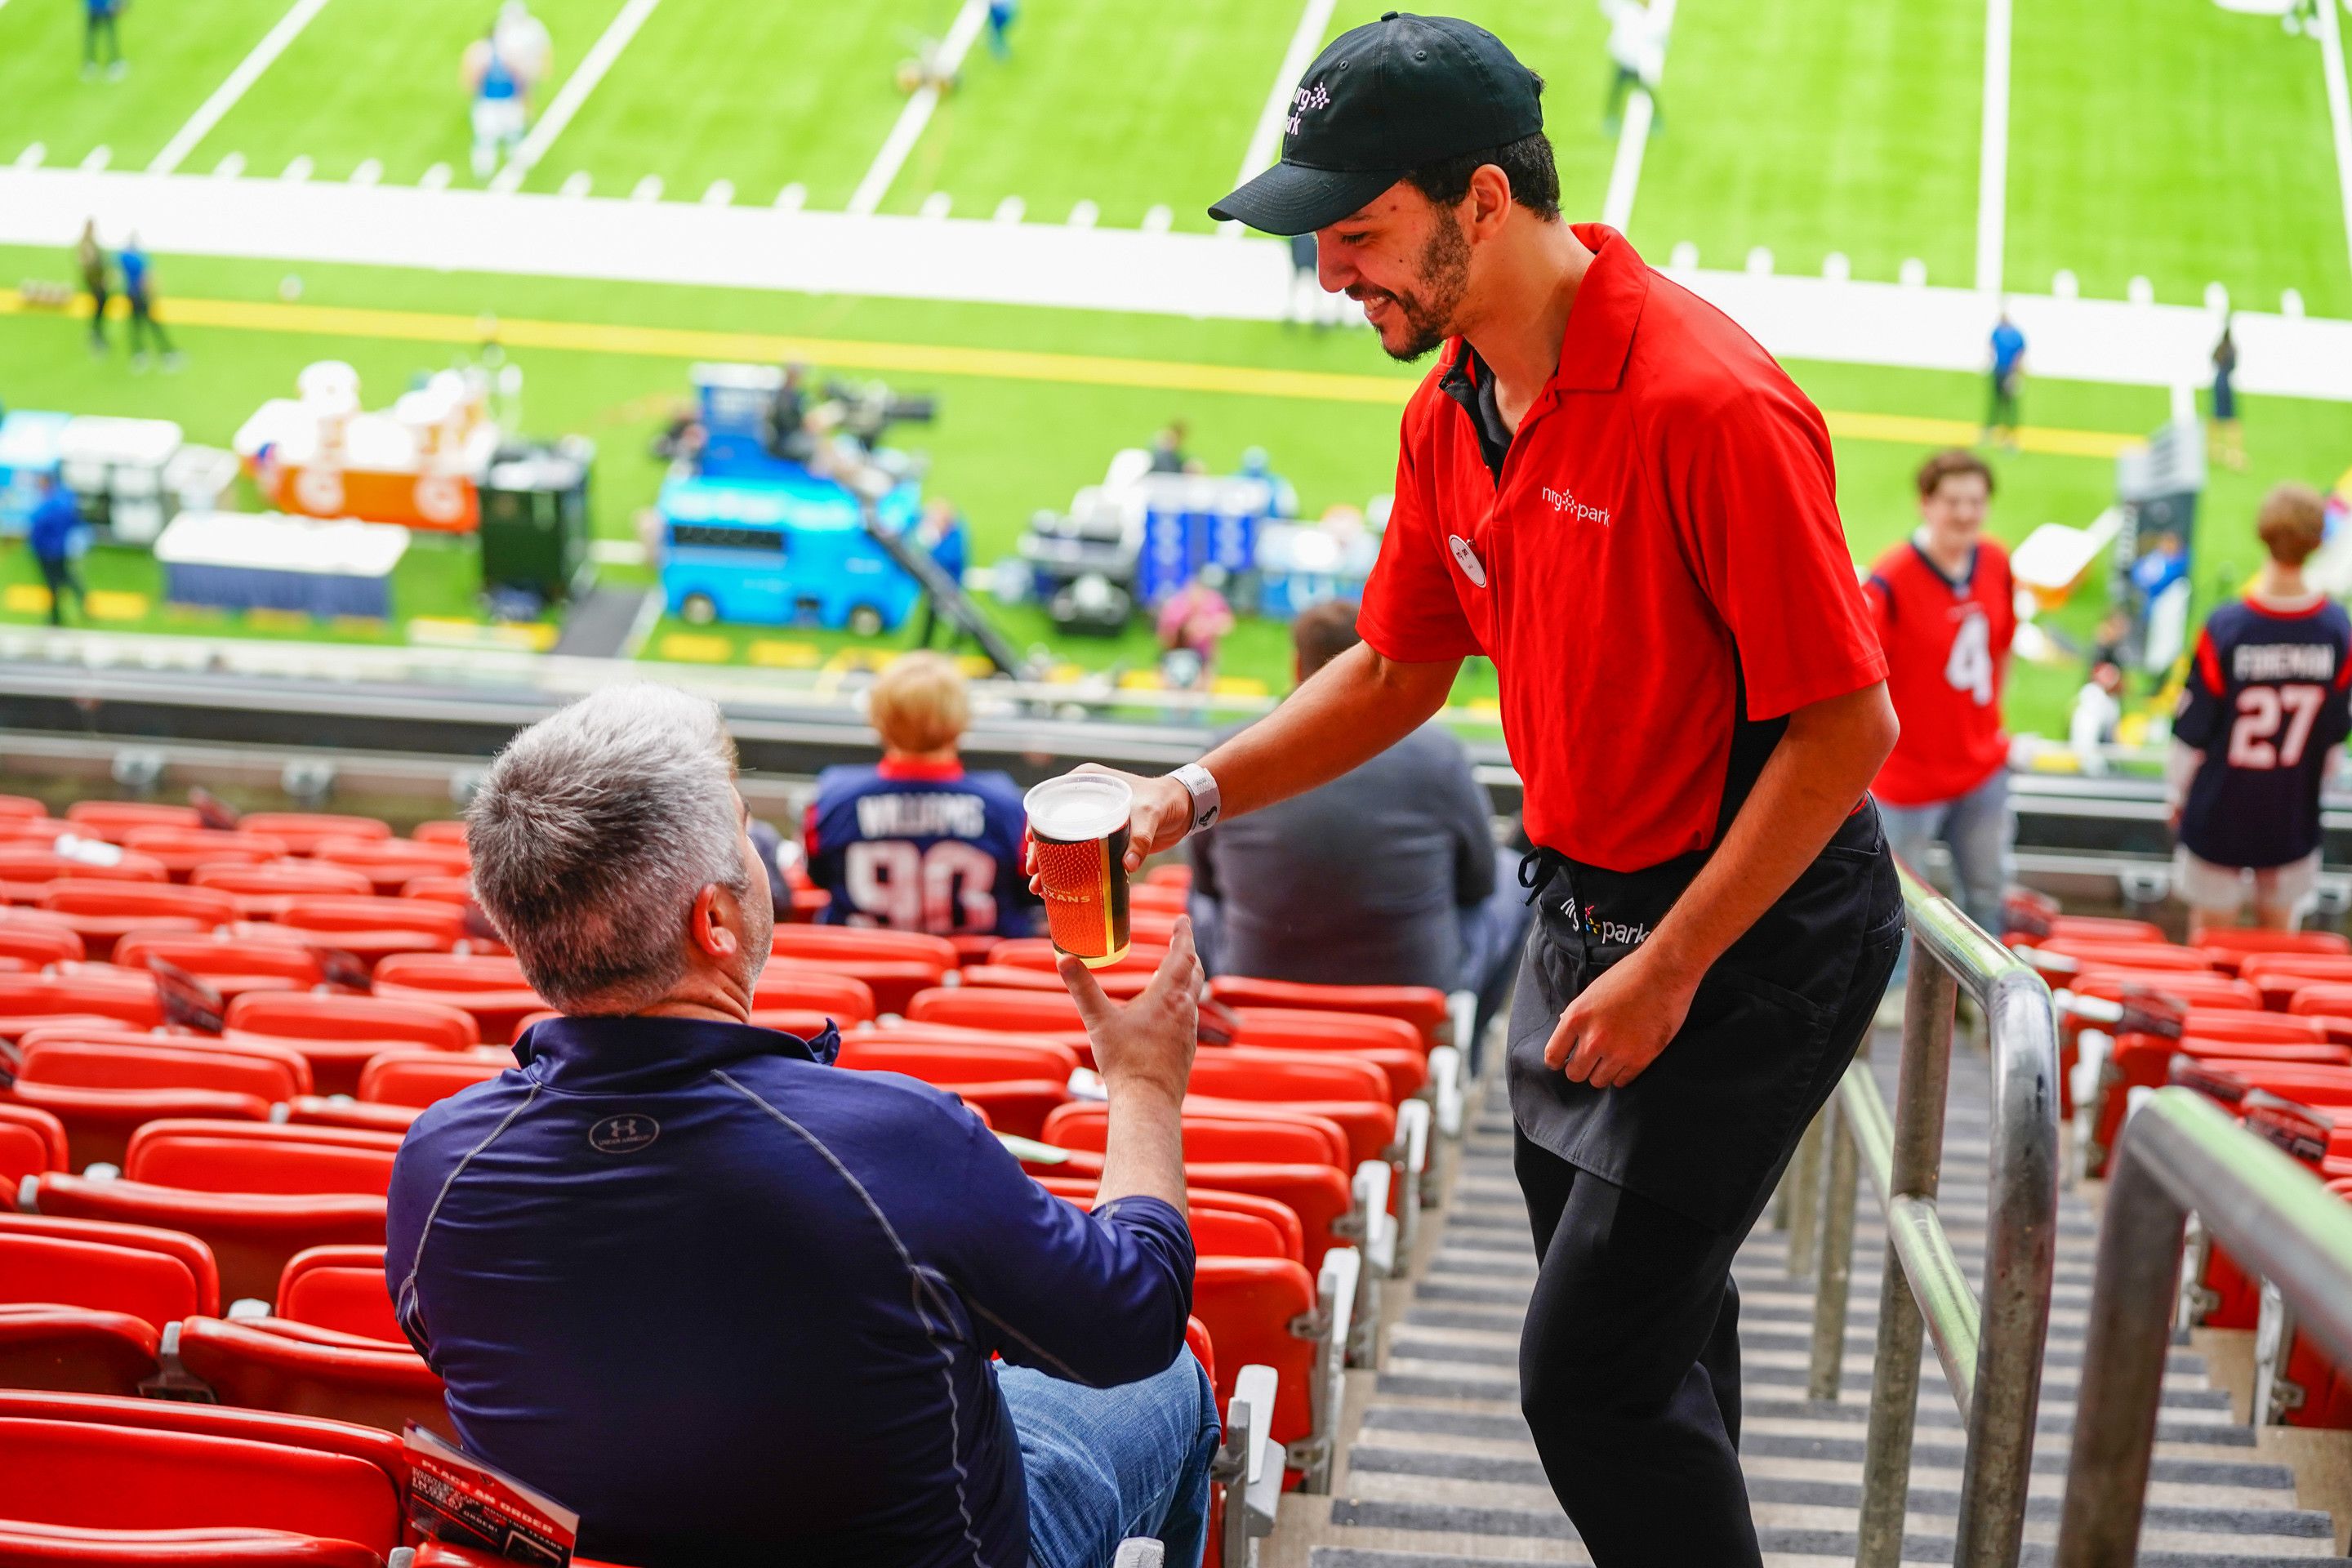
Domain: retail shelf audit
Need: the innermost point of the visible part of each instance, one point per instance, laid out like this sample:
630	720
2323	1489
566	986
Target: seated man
1386	876
914	842
735	1305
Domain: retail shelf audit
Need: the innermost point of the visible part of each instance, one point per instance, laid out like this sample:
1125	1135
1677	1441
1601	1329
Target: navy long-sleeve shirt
732	1303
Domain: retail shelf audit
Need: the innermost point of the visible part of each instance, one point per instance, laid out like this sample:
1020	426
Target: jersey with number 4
1946	643
2266	702
922	848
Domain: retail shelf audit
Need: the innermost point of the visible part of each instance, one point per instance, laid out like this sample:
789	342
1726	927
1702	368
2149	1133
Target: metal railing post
1801	1197
1917	1173
1990	1353
1834	1282
2180	1152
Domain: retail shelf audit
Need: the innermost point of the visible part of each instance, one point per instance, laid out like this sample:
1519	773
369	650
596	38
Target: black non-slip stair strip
1752	1377
1524	1523
2284	1521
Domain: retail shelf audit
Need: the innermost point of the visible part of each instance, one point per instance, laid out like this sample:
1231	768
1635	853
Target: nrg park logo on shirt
1566	503
1305	99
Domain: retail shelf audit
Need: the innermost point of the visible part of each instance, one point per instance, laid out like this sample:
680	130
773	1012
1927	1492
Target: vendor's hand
1618	1024
1147	1044
1160	815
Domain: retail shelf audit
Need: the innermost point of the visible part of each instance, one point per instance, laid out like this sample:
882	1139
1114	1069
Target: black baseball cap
1385	98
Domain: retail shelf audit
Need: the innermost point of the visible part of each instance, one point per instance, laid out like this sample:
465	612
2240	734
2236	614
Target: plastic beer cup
1079	824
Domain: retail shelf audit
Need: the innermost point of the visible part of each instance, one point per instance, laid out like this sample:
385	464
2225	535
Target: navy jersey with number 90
922	847
2265	701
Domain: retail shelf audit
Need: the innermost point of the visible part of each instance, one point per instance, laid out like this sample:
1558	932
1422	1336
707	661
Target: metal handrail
2180	1152
1992	1353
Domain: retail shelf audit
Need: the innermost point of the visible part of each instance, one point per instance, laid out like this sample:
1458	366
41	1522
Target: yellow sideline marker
938	359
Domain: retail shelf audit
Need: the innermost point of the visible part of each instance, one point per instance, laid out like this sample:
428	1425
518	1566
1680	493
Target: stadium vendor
1610	489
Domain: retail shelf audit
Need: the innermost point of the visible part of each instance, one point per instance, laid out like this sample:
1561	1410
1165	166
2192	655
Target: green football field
2169	140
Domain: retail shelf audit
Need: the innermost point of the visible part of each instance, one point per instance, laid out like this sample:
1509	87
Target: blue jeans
1980	829
1103	1464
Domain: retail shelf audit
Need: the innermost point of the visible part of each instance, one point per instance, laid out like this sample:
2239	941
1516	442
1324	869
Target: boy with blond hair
914	842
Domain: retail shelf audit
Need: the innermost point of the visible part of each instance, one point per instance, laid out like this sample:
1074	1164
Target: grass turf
1004	447
176	63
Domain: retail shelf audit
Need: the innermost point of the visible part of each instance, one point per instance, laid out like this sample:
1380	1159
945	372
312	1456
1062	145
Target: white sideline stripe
1177	275
917	112
2339	106
1306	43
224	99
573	93
1633	137
1992	151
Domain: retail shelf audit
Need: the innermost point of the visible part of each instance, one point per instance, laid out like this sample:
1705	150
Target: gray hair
593	834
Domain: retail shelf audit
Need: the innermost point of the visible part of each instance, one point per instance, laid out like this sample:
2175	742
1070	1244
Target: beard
1428	310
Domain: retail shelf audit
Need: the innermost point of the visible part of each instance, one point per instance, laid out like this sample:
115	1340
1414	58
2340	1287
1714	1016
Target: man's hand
1147	1044
1160	815
1618	1024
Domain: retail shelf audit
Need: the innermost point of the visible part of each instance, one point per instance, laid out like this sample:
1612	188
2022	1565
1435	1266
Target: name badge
1467	558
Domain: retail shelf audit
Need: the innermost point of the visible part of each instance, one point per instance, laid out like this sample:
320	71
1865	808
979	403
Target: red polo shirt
1659	573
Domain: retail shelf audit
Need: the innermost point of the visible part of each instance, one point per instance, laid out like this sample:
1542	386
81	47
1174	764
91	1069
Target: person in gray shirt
1386	876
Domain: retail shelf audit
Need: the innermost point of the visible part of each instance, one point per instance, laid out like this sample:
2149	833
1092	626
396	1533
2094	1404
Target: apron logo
1467	558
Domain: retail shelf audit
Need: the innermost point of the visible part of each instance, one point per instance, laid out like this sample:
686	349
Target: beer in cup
1079	825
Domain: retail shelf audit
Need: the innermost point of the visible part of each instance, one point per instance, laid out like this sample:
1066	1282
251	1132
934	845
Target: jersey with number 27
2266	702
1946	643
918	847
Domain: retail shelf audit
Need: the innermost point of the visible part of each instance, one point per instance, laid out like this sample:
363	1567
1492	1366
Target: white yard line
1306	43
1633	137
917	112
2339	105
224	99
573	93
1992	151
1054	265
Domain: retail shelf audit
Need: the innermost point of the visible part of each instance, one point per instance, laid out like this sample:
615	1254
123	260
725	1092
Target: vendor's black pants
1629	1361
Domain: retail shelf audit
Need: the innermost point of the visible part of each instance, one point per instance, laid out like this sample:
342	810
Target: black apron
1708	1125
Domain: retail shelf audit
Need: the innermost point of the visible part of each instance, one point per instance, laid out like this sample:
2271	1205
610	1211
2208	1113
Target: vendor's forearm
1808	788
1347	713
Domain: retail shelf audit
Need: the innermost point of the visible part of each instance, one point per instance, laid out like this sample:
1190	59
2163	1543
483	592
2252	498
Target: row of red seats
2261	1021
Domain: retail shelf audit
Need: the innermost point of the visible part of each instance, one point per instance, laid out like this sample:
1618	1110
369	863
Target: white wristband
1207	804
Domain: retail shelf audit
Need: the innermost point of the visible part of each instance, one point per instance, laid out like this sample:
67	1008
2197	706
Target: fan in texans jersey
1945	609
916	843
2262	711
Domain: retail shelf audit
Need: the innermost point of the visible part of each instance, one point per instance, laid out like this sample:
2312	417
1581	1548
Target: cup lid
1078	807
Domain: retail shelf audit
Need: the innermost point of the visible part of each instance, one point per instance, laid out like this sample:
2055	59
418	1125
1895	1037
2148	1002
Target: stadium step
1439	1471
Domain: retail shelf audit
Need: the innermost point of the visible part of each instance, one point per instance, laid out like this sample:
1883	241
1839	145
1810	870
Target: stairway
1440	1472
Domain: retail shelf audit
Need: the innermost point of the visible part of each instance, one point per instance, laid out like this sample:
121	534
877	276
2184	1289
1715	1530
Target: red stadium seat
98	1122
38	943
23	1545
2227	946
339	1287
337	1034
2082	955
124	995
347	920
262	892
2280	975
420	1078
2104	927
93	1475
1038	952
811	988
83	1307
441	889
319	1110
388	863
166	1061
2145	1061
110	819
1386	1043
1277	1218
895	964
1118	985
366	1381
490	988
448	831
188	1251
21	809
1160	895
251	1233
1017	1084
1319	1194
31	1141
1170	874
1222	1134
229	966
983	1007
306	830
182	849
90	903
26	869
1423	1007
81	1349
247	1157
